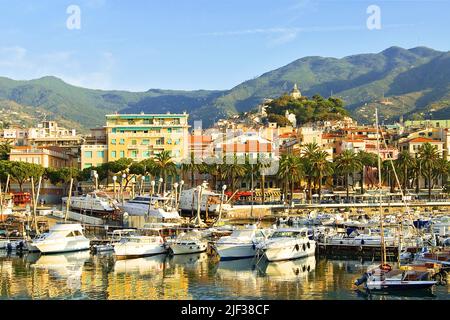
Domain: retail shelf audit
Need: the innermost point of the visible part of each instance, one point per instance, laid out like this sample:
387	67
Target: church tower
295	92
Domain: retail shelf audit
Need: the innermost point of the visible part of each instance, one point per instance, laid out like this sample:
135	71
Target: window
113	154
113	141
134	154
160	141
169	130
100	154
122	154
145	142
169	141
148	121
87	165
146	154
122	141
133	142
88	154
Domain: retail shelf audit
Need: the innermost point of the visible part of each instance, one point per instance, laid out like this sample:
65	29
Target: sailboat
384	277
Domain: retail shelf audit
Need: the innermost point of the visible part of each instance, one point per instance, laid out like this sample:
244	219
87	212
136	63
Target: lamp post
179	195
122	187
141	191
175	186
96	180
161	180
152	183
114	184
133	183
199	197
224	187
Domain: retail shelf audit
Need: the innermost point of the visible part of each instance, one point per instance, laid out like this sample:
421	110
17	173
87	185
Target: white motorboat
151	206
241	243
63	237
95	201
4	243
190	242
189	201
140	245
116	236
288	244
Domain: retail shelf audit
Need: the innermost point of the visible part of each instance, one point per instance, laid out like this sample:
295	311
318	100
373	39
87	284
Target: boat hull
188	248
134	251
399	285
235	251
290	251
50	247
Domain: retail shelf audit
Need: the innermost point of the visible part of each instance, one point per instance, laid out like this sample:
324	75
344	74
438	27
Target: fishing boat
288	244
190	242
152	206
63	237
242	243
152	243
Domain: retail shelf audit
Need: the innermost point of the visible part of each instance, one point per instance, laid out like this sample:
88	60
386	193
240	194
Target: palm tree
441	170
346	164
388	175
309	151
164	165
405	164
234	171
428	155
192	165
321	167
290	170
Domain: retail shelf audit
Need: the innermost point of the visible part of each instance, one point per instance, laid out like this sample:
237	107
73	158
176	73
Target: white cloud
18	63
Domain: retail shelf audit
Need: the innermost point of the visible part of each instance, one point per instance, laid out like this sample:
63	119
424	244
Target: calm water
84	276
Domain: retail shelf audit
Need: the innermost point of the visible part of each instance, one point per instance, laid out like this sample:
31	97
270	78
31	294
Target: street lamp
96	180
161	180
141	191
114	183
122	187
224	187
175	186
152	183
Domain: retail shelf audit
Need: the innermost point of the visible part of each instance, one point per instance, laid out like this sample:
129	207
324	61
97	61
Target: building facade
142	136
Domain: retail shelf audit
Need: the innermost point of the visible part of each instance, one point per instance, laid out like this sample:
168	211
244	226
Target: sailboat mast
383	248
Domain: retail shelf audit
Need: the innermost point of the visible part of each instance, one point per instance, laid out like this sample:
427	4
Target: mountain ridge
415	79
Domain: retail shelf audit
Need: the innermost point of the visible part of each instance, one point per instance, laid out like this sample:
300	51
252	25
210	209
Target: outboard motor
362	280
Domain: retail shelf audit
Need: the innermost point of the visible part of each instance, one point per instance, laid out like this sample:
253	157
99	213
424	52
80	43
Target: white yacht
64	237
241	243
189	201
154	206
140	245
287	244
94	201
190	242
361	239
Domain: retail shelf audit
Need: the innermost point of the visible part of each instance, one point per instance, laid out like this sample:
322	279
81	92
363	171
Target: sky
137	45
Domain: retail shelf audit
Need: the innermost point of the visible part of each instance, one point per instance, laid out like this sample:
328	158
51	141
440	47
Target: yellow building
48	157
142	136
93	155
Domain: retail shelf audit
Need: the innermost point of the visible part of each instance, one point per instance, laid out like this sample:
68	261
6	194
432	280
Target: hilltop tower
295	92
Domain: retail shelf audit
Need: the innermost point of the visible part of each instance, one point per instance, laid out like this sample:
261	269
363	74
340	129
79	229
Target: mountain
411	82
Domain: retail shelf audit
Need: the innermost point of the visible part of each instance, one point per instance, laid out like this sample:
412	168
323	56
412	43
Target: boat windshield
288	234
243	233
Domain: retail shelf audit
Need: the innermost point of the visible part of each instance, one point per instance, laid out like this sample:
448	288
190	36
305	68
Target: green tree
5	149
368	160
405	164
428	155
165	166
346	164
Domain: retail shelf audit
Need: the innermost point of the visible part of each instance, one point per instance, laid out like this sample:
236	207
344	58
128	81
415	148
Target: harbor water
81	275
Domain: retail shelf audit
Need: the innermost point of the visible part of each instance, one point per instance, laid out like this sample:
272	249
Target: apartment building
48	157
142	136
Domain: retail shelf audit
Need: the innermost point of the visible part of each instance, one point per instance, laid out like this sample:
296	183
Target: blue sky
200	44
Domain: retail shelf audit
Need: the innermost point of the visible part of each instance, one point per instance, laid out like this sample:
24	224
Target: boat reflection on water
67	266
189	260
240	269
412	294
151	265
290	270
